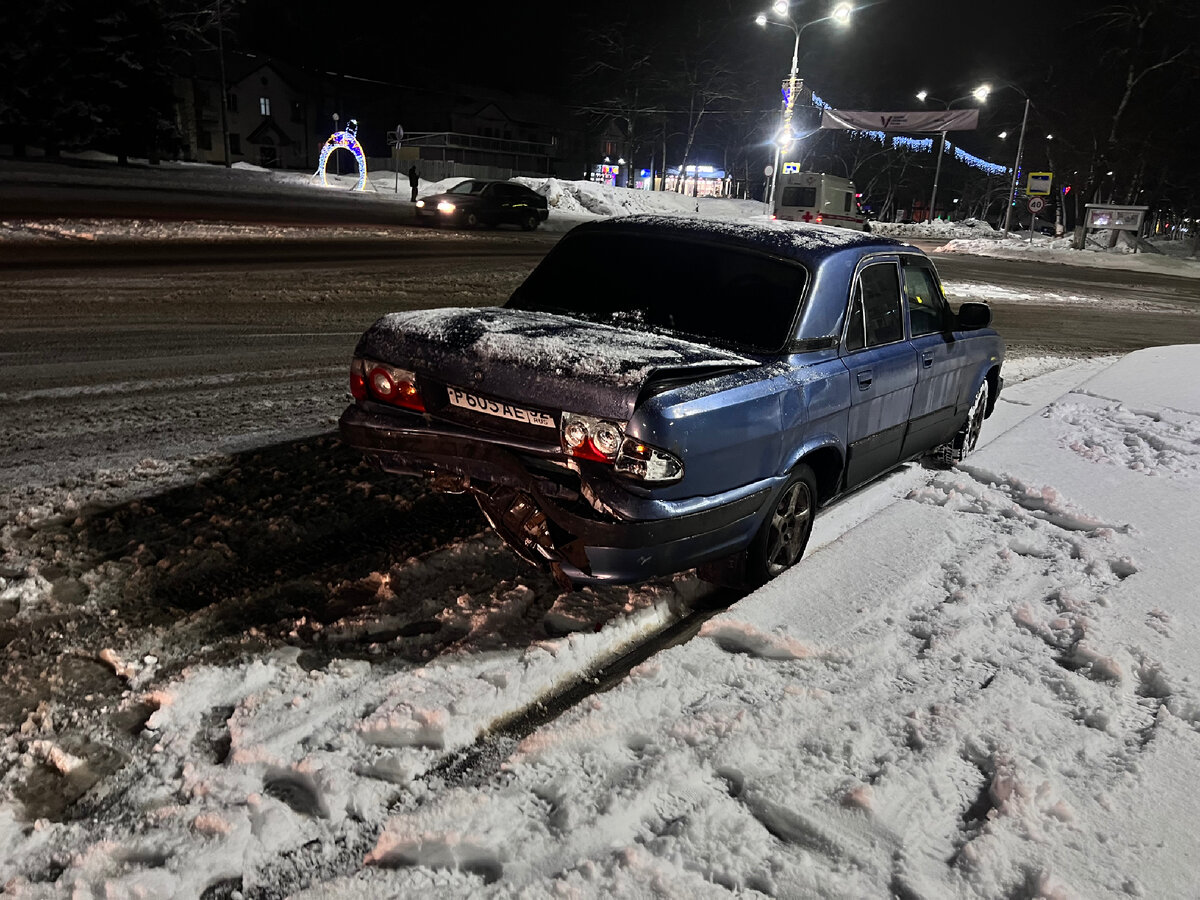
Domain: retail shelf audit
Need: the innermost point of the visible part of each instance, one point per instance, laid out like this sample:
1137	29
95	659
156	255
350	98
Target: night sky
1044	49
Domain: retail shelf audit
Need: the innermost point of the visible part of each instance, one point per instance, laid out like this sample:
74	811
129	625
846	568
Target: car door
506	199
942	359
883	371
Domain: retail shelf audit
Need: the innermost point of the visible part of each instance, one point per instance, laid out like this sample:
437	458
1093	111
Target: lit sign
1039	184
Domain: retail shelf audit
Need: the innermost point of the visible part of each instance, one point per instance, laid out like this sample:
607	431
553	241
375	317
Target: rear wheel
781	539
529	221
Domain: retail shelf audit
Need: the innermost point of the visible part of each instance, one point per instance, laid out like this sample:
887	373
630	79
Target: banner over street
919	120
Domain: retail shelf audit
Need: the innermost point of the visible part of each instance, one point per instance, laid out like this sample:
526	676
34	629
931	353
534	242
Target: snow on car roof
796	240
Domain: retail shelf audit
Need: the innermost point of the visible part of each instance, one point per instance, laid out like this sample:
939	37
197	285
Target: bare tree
1139	50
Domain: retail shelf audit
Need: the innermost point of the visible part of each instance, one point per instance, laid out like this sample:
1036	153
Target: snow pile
937	230
1048	249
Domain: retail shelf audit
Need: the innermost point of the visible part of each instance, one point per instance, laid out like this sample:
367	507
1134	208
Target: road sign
1038	184
1036	204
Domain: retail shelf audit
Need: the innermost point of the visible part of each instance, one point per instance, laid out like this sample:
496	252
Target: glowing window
264	105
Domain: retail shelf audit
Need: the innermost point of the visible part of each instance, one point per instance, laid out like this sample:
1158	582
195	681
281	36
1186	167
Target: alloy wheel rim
789	528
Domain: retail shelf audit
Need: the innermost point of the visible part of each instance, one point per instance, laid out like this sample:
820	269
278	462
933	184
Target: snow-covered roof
795	240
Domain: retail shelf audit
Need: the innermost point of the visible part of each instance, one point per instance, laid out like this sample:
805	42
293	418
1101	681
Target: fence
437	169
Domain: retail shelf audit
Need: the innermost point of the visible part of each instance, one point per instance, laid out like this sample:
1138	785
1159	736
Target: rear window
699	291
799	196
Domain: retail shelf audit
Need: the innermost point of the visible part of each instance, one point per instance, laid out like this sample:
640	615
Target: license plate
479	404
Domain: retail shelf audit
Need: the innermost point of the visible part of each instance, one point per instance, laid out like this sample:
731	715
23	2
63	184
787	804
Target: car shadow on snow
305	543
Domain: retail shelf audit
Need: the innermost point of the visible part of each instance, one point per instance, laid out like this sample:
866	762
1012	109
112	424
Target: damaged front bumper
541	522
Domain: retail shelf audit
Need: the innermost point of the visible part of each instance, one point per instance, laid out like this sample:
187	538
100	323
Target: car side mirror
972	316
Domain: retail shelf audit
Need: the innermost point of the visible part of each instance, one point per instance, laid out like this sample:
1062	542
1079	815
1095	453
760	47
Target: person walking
413	180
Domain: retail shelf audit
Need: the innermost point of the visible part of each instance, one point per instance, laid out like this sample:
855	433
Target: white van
814	197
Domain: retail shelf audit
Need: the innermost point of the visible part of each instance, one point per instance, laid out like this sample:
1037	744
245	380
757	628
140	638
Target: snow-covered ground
979	682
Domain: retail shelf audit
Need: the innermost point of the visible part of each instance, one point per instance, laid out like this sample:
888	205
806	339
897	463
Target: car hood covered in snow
541	358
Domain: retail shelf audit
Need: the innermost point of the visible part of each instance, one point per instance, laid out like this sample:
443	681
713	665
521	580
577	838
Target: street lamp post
981	94
782	8
1012	191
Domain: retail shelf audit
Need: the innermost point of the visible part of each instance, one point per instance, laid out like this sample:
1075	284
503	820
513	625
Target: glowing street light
840	15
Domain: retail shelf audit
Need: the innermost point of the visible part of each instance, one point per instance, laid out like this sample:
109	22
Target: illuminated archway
347	140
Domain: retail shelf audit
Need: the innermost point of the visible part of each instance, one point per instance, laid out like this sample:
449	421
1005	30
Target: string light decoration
918	145
348	140
983	165
924	145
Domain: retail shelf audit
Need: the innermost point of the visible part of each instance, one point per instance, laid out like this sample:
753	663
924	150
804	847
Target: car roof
810	244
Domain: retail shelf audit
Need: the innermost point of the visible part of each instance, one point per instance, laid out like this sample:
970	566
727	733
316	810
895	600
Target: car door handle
926	360
864	379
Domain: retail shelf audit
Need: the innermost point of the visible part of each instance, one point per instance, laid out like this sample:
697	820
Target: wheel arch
827	462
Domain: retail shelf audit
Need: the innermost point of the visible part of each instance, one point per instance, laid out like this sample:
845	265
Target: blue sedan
665	393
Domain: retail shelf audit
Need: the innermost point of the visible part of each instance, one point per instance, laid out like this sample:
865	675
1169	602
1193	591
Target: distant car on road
662	393
472	203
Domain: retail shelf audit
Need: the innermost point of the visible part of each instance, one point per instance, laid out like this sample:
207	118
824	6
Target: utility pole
937	174
1012	192
224	88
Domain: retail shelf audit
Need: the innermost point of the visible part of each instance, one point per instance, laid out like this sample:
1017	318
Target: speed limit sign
1036	204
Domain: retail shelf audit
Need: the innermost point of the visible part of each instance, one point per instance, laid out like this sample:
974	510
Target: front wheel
968	436
471	220
781	539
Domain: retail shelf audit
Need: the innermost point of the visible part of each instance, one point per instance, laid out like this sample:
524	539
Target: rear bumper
587	548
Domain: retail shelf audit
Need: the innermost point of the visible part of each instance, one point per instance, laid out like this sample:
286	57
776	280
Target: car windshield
716	294
468	187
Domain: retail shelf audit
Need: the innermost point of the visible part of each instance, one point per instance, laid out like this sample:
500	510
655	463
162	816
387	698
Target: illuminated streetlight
1003	135
782	8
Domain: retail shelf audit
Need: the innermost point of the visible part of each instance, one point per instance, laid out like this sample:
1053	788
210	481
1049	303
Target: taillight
820	219
647	463
379	381
586	437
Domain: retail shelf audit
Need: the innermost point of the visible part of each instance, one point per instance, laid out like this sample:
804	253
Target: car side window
927	309
875	316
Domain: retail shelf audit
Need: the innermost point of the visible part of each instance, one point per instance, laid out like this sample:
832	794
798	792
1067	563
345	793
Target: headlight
445	206
420	204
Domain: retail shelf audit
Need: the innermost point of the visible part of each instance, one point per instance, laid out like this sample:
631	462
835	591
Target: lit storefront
699	181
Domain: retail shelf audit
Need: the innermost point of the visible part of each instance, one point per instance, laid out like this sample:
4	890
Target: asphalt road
123	349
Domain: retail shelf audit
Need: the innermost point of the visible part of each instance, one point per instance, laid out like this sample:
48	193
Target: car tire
471	220
968	436
784	534
529	221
